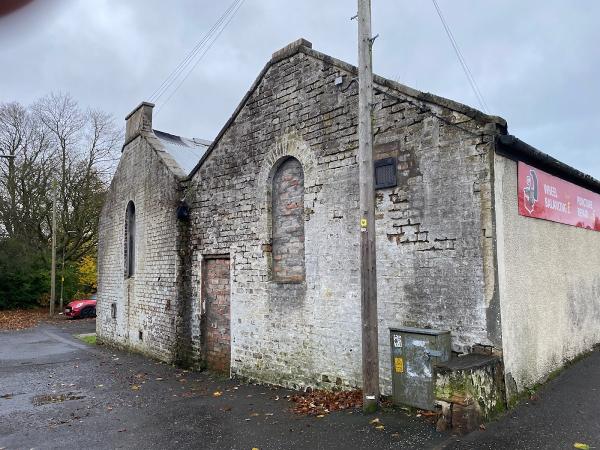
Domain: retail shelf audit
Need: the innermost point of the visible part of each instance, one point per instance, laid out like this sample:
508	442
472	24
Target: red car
82	308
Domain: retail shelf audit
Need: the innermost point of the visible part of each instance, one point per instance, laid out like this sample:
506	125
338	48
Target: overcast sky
536	61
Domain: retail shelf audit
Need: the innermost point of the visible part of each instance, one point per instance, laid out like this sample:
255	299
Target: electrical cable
209	46
181	67
461	59
177	71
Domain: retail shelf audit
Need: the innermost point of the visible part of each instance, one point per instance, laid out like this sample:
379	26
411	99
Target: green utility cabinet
415	351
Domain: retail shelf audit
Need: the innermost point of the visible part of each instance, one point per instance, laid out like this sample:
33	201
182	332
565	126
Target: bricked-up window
385	173
288	222
130	240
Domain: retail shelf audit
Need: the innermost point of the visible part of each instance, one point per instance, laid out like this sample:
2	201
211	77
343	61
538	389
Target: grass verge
89	338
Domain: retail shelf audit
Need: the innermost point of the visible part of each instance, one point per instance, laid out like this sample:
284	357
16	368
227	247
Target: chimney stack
137	120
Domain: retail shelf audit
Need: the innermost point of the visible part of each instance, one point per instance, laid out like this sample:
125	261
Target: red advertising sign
547	197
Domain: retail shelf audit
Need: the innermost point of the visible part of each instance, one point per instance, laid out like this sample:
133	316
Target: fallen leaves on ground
581	446
217	394
19	319
319	402
377	424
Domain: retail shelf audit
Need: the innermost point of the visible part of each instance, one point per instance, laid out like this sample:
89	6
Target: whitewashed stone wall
147	305
435	229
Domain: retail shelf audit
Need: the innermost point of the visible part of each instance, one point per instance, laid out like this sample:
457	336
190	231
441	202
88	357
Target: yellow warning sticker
363	223
398	365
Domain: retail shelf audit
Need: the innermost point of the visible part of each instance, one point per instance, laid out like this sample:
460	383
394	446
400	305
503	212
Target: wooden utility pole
53	269
368	274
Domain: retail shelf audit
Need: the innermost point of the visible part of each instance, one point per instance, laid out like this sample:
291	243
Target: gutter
515	149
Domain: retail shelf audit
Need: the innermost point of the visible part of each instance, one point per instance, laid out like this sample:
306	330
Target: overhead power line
461	59
178	76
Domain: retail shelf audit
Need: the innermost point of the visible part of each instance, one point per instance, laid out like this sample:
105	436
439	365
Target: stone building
241	255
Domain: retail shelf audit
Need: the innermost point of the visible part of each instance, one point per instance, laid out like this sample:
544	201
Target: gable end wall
435	229
147	302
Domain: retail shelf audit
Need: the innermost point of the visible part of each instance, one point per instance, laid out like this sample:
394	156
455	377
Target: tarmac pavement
58	392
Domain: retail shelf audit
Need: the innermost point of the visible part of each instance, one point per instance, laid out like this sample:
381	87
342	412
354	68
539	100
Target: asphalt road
65	394
563	412
57	392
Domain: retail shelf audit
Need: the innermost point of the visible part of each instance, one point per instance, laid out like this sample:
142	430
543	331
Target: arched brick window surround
287	221
288	145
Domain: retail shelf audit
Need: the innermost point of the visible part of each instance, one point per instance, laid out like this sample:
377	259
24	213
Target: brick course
287	218
215	328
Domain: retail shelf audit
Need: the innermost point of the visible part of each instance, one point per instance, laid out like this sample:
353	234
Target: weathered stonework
276	197
432	240
471	391
147	302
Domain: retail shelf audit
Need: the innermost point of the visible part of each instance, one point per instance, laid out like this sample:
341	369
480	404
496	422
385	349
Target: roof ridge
181	140
304	46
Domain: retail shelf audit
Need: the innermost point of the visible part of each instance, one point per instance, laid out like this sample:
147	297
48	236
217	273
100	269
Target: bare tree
57	145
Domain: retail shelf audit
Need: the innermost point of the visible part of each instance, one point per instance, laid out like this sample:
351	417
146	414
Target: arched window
130	240
287	222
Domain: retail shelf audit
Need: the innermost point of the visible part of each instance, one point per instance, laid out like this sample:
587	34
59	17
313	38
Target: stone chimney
137	120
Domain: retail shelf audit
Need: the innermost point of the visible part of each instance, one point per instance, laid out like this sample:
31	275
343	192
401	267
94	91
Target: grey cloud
536	62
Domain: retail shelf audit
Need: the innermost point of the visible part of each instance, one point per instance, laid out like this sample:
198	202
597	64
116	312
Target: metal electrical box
414	353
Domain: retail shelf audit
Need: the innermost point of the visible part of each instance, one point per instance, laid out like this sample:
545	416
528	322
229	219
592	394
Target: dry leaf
18	319
320	402
217	394
581	446
374	421
379	427
135	387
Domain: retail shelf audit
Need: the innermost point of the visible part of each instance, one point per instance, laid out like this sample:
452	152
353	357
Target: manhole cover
39	400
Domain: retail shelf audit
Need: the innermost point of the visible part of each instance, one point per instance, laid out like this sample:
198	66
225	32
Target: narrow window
130	240
288	222
385	173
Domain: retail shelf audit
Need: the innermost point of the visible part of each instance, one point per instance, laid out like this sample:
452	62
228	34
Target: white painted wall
549	280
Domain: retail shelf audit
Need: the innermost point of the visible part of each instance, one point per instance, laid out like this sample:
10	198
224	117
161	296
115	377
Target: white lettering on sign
584	202
556	205
550	190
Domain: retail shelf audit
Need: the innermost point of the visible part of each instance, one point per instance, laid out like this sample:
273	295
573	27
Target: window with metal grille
385	173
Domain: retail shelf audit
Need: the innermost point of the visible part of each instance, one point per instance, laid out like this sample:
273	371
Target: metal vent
385	173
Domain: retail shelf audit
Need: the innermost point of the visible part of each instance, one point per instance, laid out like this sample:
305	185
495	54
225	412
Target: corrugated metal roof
186	152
